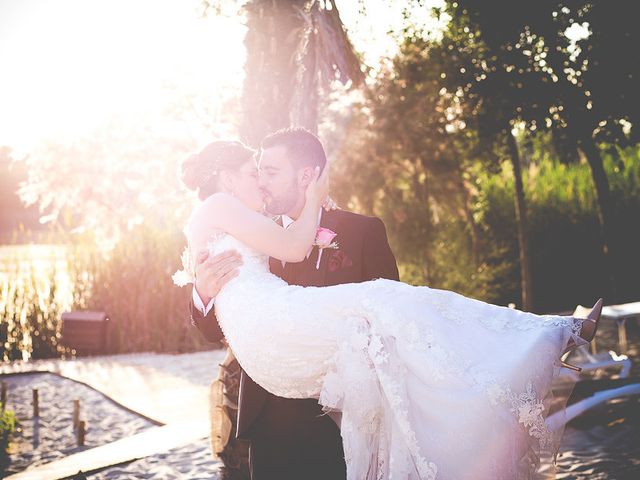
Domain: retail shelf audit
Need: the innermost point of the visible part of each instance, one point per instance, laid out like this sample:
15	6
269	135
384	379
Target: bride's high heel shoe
589	326
591	322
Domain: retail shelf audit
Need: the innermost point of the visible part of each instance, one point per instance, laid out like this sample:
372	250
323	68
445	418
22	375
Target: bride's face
245	186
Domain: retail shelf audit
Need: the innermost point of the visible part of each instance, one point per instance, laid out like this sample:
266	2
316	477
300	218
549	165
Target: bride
427	383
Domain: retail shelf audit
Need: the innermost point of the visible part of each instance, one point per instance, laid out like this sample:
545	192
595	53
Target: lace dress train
429	384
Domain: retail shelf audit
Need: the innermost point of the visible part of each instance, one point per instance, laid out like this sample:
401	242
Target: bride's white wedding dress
429	383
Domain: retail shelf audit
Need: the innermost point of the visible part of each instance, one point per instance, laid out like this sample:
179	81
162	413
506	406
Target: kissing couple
416	382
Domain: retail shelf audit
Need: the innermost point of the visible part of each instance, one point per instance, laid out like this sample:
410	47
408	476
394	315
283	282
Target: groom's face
279	180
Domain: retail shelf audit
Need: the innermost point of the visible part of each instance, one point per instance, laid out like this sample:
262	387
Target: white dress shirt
199	304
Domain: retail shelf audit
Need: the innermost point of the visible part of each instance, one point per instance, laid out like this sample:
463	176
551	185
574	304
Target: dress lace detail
428	384
529	409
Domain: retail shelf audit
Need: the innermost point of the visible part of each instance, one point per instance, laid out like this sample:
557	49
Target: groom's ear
305	175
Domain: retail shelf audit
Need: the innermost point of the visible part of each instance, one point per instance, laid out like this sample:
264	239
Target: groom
289	438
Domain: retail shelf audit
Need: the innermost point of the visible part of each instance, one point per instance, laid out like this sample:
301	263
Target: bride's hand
318	188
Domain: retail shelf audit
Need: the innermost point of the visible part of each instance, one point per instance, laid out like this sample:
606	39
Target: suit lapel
307	273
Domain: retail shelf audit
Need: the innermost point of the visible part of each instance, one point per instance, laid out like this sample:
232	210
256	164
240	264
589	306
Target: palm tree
295	50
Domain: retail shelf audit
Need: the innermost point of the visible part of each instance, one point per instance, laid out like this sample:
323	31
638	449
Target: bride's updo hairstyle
200	171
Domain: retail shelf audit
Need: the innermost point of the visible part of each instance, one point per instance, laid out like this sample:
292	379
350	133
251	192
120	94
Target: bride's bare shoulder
212	212
217	199
216	203
203	221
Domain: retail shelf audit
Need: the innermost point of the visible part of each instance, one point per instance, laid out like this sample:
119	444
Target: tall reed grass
131	283
34	291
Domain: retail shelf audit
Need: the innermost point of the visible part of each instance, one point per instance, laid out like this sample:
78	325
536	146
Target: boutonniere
324	239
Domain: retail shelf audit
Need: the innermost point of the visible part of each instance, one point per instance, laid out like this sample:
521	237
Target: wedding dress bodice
259	315
430	384
253	262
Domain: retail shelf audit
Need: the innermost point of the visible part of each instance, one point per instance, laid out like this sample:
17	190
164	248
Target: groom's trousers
293	438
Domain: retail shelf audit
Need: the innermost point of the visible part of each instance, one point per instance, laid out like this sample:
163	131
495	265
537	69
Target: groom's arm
378	260
207	324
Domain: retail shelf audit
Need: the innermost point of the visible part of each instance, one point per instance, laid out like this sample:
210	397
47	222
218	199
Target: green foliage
425	151
400	157
432	235
554	66
568	264
7	427
7	422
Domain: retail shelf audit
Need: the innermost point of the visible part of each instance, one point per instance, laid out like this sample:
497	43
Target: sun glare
71	65
374	26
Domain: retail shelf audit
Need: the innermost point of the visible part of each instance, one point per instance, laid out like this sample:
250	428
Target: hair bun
199	171
192	172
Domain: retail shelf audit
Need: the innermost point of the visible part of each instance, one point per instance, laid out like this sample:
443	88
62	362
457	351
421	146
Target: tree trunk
294	49
423	190
523	227
304	111
604	207
272	40
468	214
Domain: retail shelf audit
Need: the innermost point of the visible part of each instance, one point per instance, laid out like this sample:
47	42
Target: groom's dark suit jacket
363	254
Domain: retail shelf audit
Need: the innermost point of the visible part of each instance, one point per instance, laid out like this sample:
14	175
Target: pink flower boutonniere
324	239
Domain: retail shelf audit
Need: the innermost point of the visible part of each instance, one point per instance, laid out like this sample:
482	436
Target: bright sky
69	66
369	32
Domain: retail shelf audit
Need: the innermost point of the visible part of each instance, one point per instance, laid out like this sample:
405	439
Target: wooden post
76	413
36	406
80	433
3	395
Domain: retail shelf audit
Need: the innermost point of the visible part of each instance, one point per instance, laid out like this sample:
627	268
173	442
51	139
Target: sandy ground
164	387
51	436
157	385
193	462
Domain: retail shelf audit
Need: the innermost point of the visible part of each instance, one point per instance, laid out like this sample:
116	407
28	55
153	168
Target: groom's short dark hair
302	146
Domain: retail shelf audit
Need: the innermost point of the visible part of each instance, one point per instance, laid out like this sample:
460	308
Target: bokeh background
497	140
